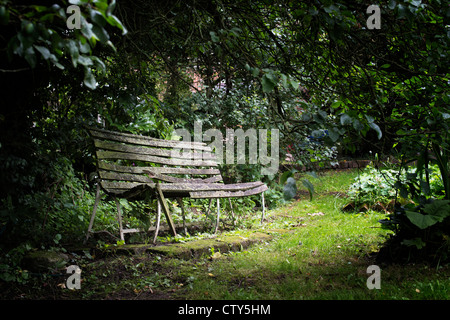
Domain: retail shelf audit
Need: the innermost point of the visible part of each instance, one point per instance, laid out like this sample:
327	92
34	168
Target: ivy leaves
271	78
44	36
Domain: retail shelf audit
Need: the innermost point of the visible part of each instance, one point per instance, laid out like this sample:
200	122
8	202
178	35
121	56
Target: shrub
422	227
375	186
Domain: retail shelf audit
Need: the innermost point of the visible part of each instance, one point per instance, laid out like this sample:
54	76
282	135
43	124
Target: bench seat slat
188	187
185	187
124	185
227	194
141	157
159	170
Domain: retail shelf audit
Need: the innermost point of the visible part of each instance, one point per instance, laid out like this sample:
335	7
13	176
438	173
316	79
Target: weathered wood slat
217	178
122	185
94	131
167	178
108	175
227	194
132	177
146	141
138	193
188	187
147	158
169	153
185	187
159	170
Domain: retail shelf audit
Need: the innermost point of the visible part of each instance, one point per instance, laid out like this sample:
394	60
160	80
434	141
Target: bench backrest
126	161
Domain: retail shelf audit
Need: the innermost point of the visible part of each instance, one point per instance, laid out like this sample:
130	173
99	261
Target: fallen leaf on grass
216	255
316	214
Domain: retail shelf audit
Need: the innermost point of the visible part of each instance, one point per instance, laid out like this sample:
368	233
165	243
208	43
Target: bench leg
232	213
166	210
91	223
218	216
158	219
209	207
263	208
180	203
119	218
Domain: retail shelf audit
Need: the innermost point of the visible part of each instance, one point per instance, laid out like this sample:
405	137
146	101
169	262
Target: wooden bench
138	167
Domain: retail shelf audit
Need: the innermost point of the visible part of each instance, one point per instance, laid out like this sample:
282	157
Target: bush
423	228
380	186
373	186
420	219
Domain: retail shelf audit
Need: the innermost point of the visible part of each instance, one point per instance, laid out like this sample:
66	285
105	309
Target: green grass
323	257
318	252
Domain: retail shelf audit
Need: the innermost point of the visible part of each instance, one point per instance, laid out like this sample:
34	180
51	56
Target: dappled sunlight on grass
324	255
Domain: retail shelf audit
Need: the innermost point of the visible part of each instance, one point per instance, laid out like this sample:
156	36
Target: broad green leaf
392	4
422	221
357	125
331	8
375	127
317	133
285	176
290	189
100	34
255	72
30	56
309	186
85	60
418	242
333	134
369	118
73	50
89	79
284	80
97	18
214	36
4	16
336	104
78	2
111	8
43	51
346	119
438	208
295	84
267	83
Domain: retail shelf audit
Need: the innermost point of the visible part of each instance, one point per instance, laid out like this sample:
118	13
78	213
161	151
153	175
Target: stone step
201	247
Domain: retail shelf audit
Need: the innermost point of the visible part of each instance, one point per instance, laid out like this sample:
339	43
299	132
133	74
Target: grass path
317	252
325	256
